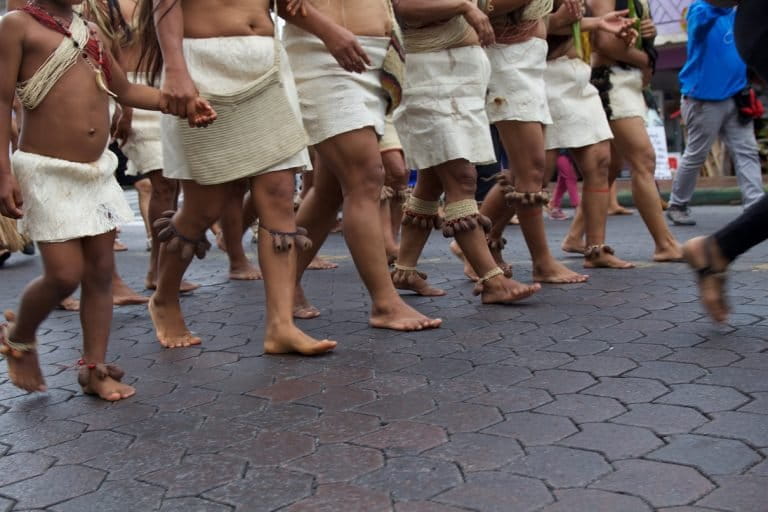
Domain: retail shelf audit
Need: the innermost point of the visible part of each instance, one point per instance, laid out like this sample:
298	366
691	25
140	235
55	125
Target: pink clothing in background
567	179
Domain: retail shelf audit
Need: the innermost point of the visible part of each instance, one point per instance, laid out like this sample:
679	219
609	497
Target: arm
178	90
341	43
11	41
701	18
613	47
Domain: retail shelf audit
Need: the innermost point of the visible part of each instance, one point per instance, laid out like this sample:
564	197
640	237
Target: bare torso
361	17
72	122
129	54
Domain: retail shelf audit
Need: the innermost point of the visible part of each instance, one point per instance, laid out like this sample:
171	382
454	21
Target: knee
63	282
463	182
98	271
645	162
397	175
602	168
279	196
368	180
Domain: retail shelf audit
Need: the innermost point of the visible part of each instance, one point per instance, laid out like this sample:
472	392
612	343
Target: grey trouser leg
705	120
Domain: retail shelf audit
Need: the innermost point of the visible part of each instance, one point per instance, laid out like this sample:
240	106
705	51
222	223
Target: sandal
708	271
10	348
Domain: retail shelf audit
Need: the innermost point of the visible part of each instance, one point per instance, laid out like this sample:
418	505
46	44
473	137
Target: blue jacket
713	70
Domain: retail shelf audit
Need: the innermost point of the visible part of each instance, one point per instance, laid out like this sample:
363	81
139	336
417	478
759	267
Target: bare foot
415	281
673	254
186	287
620	210
23	367
122	295
468	270
711	267
606	260
97	380
247	272
293	340
502	290
554	272
69	304
170	328
319	263
401	317
302	308
220	243
573	246
119	246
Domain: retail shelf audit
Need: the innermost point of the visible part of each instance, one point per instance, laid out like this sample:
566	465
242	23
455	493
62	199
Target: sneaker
558	214
680	215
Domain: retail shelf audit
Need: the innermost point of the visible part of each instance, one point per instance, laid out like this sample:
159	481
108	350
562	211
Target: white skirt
517	91
68	200
625	97
578	118
143	148
224	65
335	101
442	116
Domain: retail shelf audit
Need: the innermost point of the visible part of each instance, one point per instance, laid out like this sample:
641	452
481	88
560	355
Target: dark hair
151	58
106	14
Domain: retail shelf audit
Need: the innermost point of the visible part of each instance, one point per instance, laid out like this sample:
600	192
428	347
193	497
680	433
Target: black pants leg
745	232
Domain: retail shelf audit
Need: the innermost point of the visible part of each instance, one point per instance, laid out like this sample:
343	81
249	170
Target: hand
479	21
122	128
296	6
203	114
573	11
616	23
346	49
11	201
630	37
648	29
178	94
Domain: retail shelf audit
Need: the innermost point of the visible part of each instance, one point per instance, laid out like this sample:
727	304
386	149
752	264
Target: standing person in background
567	181
713	77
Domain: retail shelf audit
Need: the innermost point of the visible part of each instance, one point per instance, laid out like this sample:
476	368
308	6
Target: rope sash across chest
77	41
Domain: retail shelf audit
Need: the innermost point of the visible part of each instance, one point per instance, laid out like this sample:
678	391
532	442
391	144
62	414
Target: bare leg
96	315
631	140
202	206
144	188
354	158
614	207
524	143
594	161
164	193
122	294
232	229
63	265
307	180
395	175
415	236
273	196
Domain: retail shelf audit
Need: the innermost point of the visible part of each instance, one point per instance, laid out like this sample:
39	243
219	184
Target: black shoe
680	215
29	249
4	257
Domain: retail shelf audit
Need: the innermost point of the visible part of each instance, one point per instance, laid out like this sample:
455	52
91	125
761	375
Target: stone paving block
759	405
140	458
55	485
754	361
712	456
482	355
214	359
120	414
462	417
192	505
559	381
115	497
533	429
11	422
454	390
439	368
181	398
516	399
405	438
37	401
399	407
614	441
263	490
601	365
46	434
393	383
425	506
743	379
738	494
498	375
704	398
339	398
662	419
6	505
280	416
560	467
393	362
640	352
537	359
336	497
88	446
196	474
273	448
21	466
752	428
668	372
580	347
341	375
498	492
706	358
339	462
413	478
583	408
478	452
660	484
288	390
228	406
162	427
572	500
628	390
337	427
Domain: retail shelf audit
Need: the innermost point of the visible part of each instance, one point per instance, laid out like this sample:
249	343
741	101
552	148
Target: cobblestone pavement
617	395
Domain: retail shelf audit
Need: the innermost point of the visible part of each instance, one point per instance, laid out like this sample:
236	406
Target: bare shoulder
600	7
15	21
